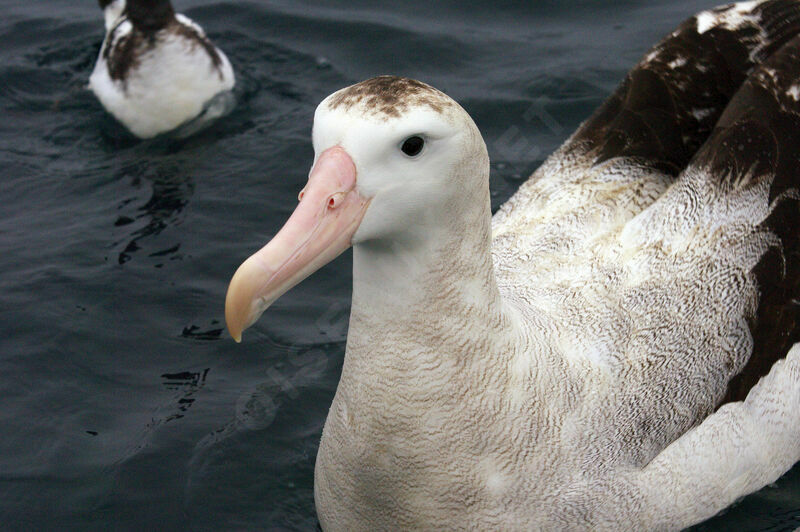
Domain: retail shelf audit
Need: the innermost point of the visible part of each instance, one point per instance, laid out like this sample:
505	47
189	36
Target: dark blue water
123	403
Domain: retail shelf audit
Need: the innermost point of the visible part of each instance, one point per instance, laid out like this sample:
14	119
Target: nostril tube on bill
335	200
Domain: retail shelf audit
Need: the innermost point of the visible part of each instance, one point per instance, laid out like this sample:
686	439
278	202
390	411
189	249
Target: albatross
158	72
614	349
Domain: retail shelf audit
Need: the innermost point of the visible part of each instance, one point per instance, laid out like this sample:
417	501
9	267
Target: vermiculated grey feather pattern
563	367
620	170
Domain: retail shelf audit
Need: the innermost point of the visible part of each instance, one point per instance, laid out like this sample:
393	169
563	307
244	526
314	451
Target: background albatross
157	71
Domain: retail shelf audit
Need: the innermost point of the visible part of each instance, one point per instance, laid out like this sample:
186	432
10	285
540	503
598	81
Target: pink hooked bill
320	228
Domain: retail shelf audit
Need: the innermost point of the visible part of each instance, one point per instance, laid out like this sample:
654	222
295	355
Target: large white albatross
614	349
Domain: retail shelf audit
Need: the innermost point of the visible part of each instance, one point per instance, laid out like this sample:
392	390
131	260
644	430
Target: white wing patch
731	18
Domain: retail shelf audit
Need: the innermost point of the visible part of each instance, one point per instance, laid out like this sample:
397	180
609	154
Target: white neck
402	274
437	282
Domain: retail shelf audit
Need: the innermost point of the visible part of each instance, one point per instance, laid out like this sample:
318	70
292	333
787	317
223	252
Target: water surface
123	403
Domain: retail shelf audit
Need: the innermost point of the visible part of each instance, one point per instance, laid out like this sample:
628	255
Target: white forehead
350	127
385	110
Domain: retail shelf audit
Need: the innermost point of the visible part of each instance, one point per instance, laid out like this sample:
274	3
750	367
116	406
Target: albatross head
395	159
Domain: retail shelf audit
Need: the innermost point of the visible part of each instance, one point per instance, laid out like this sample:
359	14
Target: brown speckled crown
390	96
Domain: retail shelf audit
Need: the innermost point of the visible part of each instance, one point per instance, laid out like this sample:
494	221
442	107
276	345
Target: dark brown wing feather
757	139
667	106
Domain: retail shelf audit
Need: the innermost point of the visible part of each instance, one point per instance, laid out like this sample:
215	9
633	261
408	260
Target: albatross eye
413	145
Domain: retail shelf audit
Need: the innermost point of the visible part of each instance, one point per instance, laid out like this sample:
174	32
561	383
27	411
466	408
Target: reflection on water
186	384
171	190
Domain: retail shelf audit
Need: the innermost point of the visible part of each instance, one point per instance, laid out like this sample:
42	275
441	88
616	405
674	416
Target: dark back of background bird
120	405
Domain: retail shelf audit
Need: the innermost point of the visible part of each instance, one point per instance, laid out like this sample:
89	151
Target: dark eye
413	145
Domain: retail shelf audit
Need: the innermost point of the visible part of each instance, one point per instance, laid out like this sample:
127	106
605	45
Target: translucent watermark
257	409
